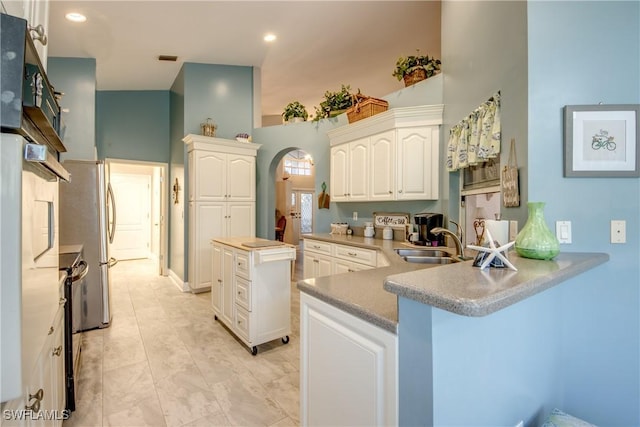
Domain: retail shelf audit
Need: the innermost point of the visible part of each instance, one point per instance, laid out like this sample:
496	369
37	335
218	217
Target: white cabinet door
316	265
206	221
208	178
216	279
241	178
358	170
241	219
228	292
382	175
339	173
417	163
348	368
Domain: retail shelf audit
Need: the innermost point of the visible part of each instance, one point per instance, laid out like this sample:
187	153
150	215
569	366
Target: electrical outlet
618	231
563	231
355	216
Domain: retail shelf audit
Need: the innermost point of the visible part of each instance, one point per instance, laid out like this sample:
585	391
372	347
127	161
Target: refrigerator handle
112	228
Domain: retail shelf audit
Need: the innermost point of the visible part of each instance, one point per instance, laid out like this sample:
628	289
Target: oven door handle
83	272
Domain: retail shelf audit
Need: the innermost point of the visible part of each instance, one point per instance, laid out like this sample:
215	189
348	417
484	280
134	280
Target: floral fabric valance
476	138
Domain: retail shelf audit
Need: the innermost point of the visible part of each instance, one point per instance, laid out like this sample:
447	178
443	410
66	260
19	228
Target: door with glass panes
301	215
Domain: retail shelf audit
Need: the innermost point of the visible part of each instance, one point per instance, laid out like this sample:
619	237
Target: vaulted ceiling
320	44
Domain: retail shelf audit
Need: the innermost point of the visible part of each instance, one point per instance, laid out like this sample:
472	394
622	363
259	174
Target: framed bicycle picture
601	140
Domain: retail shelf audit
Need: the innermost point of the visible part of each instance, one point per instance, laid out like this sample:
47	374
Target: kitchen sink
422	253
430	259
426	256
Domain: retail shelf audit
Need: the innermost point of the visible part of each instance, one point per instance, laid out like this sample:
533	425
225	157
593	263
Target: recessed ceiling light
270	37
75	17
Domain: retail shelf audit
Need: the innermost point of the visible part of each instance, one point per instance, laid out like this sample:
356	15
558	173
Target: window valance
476	138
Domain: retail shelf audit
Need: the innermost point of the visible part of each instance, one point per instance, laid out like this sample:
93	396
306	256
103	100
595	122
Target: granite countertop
459	288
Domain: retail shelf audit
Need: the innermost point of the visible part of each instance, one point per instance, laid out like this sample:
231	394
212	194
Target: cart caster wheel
285	339
254	350
215	317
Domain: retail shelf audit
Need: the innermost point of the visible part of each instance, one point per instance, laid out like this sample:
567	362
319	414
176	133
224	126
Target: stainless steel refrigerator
87	218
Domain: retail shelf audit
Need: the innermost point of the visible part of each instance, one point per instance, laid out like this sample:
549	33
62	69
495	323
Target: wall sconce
176	192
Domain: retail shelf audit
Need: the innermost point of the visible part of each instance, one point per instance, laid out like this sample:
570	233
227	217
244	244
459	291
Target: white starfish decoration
494	252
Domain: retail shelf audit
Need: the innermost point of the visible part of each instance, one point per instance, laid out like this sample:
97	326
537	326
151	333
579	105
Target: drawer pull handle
57	351
316	247
352	254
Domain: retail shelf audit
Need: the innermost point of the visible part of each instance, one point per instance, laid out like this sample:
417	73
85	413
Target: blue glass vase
535	240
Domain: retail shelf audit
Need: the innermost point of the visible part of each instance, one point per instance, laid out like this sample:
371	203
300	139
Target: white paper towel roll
499	231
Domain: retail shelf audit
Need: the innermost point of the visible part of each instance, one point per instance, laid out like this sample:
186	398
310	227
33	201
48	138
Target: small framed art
601	140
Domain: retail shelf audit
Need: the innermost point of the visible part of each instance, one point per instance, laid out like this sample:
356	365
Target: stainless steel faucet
457	238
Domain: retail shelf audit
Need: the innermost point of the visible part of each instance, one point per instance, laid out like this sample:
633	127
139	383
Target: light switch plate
618	231
563	231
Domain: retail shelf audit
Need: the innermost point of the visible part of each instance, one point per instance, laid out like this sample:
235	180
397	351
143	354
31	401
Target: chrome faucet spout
454	236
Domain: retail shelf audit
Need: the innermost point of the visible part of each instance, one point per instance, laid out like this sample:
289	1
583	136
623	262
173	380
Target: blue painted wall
133	125
595	51
575	346
76	77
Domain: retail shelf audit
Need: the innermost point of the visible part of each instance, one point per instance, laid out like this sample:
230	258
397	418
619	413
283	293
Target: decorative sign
388	219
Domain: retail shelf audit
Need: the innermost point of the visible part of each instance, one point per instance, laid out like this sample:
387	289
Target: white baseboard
180	284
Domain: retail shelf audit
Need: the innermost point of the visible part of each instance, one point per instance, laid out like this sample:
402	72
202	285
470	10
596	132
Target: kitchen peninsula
429	318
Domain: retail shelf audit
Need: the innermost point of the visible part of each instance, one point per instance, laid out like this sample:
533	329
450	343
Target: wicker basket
366	107
414	77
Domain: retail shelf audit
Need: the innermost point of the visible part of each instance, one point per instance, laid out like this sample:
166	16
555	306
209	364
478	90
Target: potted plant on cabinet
334	103
294	112
414	68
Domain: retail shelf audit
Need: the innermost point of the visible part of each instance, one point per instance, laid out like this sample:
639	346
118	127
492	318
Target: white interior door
301	216
133	210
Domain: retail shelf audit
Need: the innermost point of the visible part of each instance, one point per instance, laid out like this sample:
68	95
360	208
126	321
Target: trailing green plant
295	109
334	101
408	64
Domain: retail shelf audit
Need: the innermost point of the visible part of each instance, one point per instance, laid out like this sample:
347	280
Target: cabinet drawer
242	323
243	264
317	246
352	253
243	293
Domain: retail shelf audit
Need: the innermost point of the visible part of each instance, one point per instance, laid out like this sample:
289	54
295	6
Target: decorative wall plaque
391	219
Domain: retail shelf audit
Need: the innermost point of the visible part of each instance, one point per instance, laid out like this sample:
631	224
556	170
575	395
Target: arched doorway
295	195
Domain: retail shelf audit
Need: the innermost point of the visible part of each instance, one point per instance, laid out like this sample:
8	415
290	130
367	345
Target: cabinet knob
390	192
57	351
62	301
50	330
399	191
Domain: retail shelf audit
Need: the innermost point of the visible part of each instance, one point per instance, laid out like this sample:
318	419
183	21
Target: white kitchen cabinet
222	192
348	368
220	177
325	258
349	171
383	167
402	161
418	156
36	12
44	390
253	298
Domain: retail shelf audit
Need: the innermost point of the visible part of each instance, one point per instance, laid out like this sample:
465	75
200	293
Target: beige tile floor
165	361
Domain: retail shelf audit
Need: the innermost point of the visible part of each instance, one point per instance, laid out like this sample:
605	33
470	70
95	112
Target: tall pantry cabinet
221	189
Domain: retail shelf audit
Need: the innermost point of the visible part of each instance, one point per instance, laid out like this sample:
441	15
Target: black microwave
29	105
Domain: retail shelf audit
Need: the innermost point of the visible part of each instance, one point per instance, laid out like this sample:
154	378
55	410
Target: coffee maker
426	222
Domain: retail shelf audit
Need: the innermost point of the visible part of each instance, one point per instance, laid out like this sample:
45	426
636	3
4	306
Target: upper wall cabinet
390	156
36	12
221	170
